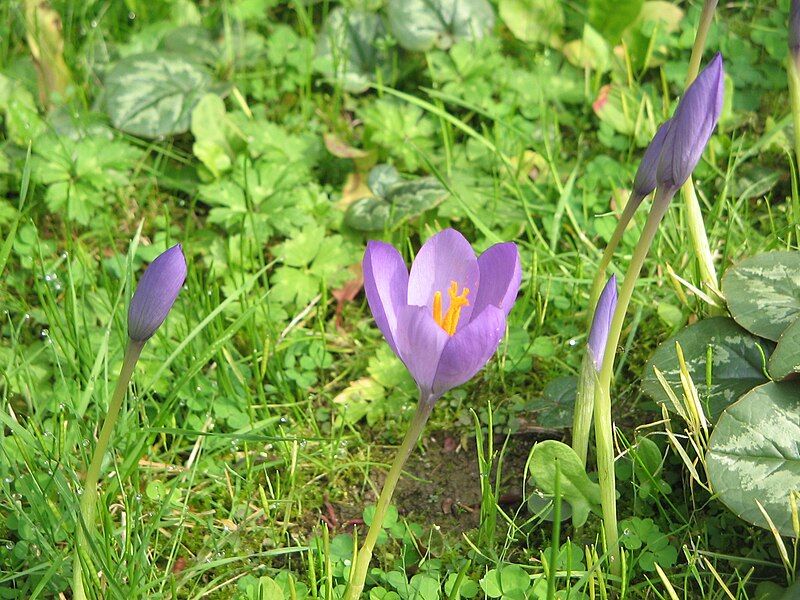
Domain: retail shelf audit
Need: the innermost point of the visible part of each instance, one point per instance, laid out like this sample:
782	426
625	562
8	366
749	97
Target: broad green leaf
267	588
22	121
763	292
210	129
351	51
153	94
736	363
422	24
577	489
591	51
505	580
534	20
612	17
785	360
381	178
402	199
754	454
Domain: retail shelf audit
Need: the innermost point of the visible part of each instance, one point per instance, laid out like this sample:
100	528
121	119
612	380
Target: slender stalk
603	425
584	408
694	216
793	71
358	575
584	400
555	544
89	496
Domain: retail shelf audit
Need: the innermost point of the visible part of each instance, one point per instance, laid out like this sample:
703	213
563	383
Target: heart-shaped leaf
577	489
612	17
786	359
422	24
153	94
395	199
736	363
763	292
350	49
754	455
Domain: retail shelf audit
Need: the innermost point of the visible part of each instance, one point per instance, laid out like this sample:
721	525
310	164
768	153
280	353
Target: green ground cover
273	140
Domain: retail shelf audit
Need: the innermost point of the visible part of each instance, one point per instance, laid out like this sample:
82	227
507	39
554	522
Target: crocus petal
691	126
469	349
500	274
386	286
445	257
601	322
645	180
420	342
156	293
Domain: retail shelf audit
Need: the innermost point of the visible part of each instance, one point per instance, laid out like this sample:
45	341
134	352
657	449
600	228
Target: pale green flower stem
694	216
603	425
358	574
584	401
793	71
85	528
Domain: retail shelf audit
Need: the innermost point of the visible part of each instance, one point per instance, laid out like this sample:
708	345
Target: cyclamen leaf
785	361
753	455
762	292
153	94
420	25
736	365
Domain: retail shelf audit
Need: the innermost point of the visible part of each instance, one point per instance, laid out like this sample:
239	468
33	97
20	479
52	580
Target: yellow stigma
449	321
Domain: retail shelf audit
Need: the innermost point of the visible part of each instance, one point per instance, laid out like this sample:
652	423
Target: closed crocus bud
645	181
794	29
601	323
156	293
691	127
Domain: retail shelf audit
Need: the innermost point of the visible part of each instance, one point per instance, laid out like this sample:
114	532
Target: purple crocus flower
446	318
691	127
601	323
156	293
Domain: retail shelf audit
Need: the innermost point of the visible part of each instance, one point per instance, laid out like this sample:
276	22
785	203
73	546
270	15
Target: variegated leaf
420	25
785	361
350	50
763	292
754	455
715	349
153	94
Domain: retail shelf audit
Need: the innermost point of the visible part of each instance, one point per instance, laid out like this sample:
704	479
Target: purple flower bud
691	127
645	180
156	293
794	29
601	323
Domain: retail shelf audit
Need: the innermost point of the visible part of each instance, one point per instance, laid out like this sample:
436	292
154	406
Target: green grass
261	404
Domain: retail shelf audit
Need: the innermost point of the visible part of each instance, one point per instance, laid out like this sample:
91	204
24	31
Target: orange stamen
449	321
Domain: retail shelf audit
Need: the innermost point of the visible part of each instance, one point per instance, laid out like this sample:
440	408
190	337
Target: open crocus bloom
446	318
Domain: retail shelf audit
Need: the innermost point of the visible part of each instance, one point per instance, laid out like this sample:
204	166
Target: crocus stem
603	426
584	399
584	408
694	216
89	495
793	71
358	574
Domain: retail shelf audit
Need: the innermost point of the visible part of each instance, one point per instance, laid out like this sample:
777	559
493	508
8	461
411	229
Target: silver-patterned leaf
153	94
785	361
402	199
754	455
736	365
351	51
420	25
763	292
